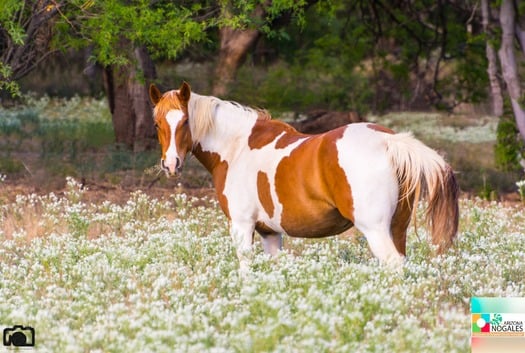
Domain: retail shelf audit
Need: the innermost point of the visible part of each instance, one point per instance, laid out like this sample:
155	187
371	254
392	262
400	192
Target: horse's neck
210	160
232	127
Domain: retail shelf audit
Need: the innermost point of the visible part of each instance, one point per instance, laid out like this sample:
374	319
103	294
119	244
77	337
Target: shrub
509	148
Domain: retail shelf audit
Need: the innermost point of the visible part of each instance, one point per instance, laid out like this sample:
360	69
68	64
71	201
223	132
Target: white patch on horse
229	140
361	154
245	200
173	118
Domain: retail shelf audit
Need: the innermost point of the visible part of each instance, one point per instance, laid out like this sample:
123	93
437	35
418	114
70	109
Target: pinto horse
273	179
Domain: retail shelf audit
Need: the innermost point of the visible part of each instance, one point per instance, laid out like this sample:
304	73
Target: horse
272	179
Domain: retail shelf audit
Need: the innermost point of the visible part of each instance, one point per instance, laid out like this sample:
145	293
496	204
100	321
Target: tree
492	69
25	34
125	87
124	37
237	39
234	45
510	21
121	35
383	55
507	19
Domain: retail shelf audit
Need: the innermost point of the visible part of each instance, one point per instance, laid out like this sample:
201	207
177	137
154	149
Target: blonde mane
202	110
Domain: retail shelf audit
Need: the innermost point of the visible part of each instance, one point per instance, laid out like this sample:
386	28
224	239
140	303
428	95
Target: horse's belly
322	224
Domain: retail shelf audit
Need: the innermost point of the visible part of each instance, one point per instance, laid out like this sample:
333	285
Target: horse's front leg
242	236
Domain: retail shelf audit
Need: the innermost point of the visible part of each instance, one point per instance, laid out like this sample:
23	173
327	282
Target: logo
496	325
19	336
480	323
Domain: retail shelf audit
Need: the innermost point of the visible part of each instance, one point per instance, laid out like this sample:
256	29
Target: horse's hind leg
381	244
400	222
373	218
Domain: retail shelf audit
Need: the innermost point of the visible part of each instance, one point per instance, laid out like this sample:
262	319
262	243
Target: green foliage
304	87
9	10
6	83
487	192
509	148
112	29
373	57
109	26
319	67
58	132
62	126
164	27
10	165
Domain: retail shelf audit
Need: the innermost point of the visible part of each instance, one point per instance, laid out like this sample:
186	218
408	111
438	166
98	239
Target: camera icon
19	336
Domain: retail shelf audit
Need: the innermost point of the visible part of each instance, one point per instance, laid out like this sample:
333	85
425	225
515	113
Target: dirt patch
97	192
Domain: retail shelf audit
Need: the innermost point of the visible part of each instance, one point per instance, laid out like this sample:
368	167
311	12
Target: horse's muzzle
173	168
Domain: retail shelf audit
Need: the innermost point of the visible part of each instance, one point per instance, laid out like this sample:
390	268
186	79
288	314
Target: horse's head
171	122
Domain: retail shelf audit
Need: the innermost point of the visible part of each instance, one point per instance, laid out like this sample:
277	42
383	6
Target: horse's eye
186	121
157	126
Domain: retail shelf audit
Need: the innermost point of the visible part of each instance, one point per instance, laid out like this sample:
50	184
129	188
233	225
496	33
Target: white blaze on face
173	118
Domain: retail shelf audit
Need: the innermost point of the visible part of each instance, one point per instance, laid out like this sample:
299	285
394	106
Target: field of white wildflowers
156	275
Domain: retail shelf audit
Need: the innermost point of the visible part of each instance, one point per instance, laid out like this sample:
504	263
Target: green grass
46	140
162	276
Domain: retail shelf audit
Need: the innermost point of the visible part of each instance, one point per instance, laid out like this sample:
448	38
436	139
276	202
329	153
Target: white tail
422	172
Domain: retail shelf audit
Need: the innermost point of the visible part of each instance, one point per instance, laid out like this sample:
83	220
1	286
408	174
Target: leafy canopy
111	28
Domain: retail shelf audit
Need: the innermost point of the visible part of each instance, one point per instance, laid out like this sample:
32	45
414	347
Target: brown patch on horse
380	128
335	177
316	198
288	139
263	229
263	190
163	134
218	169
265	132
401	220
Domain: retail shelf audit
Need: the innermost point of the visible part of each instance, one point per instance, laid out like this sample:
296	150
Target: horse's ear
154	94
184	92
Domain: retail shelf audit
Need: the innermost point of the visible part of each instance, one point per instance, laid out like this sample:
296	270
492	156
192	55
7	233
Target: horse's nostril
170	167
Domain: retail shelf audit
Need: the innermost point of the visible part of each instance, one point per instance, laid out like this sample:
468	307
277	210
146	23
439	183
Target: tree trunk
492	70
508	62
235	44
127	91
520	31
145	134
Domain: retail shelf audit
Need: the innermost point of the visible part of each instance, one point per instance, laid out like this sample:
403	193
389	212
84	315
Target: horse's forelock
167	102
